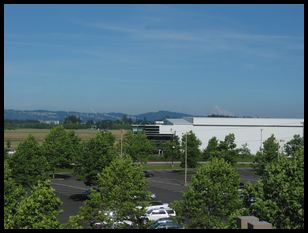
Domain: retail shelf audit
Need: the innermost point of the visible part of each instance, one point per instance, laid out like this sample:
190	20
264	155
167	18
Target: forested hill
44	115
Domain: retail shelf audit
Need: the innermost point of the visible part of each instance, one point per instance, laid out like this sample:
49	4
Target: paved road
168	186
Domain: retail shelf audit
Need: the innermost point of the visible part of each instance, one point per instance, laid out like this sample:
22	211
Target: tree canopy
122	188
137	146
60	147
222	149
31	208
172	149
295	144
29	165
38	210
211	197
193	151
268	153
95	155
280	193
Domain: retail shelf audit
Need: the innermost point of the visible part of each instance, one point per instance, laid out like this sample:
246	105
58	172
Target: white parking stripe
74	187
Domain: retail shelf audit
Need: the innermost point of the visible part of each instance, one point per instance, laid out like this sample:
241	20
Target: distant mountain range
44	115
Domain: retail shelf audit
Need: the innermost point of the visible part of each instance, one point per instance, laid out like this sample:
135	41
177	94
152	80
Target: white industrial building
252	131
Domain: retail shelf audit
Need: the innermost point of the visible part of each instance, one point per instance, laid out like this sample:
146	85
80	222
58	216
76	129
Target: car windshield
169	211
156	203
149	211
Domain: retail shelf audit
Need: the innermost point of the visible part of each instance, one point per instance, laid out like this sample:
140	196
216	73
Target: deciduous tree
137	146
193	151
39	210
295	144
211	150
211	197
61	148
29	165
280	193
95	155
172	149
123	191
268	153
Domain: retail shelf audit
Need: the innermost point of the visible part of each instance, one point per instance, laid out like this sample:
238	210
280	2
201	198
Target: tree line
210	201
74	122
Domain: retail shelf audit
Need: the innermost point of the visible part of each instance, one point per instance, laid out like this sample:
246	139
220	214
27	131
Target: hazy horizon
242	60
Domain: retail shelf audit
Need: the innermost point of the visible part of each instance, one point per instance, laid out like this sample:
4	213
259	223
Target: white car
170	211
111	215
157	205
155	214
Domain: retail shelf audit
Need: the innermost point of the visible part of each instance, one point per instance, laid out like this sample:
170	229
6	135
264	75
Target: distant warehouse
252	131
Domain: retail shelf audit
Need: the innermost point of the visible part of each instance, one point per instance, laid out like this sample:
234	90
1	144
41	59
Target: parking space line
74	187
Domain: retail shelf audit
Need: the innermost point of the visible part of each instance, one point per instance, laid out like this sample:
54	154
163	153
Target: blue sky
197	59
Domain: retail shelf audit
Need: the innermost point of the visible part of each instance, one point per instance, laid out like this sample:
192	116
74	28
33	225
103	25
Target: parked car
156	205
169	226
170	211
148	174
160	221
155	214
85	195
116	224
153	196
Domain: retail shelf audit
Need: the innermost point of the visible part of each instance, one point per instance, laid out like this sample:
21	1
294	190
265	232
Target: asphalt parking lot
168	186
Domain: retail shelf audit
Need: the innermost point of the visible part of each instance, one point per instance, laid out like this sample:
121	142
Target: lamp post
281	148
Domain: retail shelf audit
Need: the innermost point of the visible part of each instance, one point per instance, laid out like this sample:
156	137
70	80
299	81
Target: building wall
249	132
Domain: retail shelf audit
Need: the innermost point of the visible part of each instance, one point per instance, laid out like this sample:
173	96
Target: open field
18	135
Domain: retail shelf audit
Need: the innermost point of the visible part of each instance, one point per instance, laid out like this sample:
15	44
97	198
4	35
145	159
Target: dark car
169	225
242	185
85	195
148	174
160	222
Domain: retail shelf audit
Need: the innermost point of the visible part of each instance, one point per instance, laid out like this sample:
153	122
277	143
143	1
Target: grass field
18	135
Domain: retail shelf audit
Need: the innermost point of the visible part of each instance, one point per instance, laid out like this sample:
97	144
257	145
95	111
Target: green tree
137	146
29	165
8	144
72	120
193	151
123	190
172	149
295	144
280	193
61	147
211	197
96	154
227	149
211	150
13	194
244	151
268	153
38	210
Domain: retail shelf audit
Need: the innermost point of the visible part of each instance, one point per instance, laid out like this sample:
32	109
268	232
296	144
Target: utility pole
186	161
281	148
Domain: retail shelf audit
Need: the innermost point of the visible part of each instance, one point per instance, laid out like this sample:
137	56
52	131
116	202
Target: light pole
281	150
185	161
